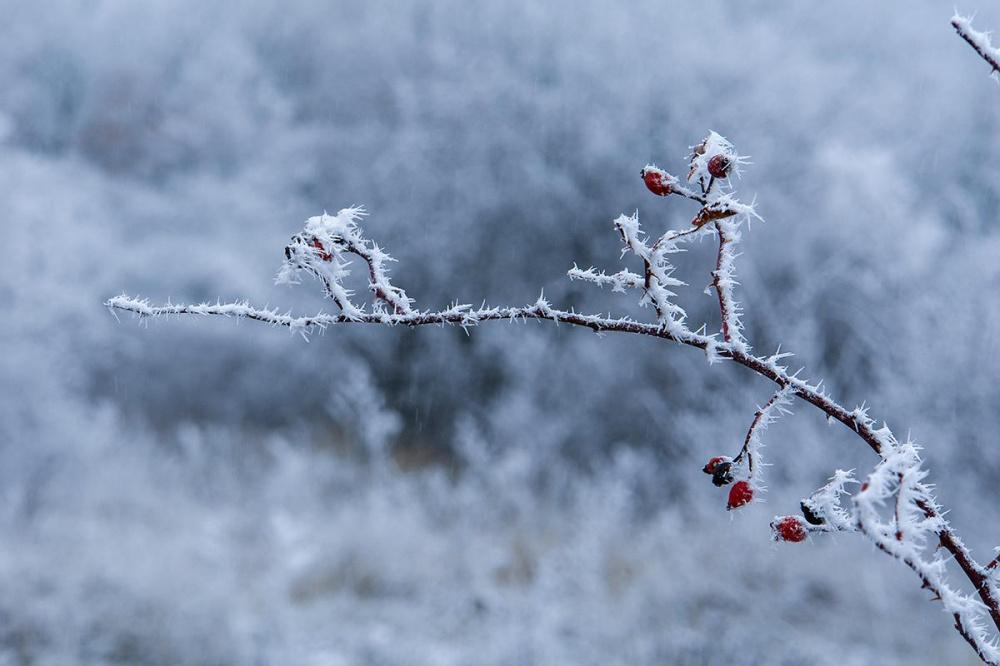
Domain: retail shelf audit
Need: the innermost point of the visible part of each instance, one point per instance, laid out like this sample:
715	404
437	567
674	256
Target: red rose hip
719	166
740	494
789	528
657	181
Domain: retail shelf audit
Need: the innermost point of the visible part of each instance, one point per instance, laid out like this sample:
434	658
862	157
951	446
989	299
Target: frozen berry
789	528
709	467
719	166
739	495
657	181
323	254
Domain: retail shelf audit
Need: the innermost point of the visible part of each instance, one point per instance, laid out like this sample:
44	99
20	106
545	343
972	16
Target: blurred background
218	492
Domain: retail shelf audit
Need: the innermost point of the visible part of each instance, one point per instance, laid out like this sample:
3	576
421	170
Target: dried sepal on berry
709	467
723	474
810	514
721	469
824	508
724	207
711	213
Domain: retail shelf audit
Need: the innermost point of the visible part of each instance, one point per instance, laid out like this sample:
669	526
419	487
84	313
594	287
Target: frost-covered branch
823	509
764	416
905	536
621	281
979	41
458	315
993	563
328	238
910	531
724	281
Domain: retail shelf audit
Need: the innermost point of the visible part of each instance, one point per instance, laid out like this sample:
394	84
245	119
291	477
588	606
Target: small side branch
724	281
762	418
619	282
320	251
979	41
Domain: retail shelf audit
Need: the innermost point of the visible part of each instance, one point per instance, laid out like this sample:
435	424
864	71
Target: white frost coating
825	503
714	144
725	282
712	352
726	202
458	315
772	410
619	282
239	310
321	250
658	272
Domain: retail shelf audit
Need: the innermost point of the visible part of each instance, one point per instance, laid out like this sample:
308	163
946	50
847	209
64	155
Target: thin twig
979	41
761	418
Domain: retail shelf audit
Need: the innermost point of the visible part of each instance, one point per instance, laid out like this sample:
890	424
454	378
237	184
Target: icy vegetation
197	492
917	534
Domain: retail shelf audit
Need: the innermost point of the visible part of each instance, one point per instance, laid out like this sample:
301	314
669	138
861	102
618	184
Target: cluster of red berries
721	469
661	183
793	529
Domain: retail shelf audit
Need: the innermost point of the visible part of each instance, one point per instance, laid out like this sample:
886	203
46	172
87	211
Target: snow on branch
909	531
320	251
979	41
620	282
823	509
724	280
906	534
753	442
657	272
